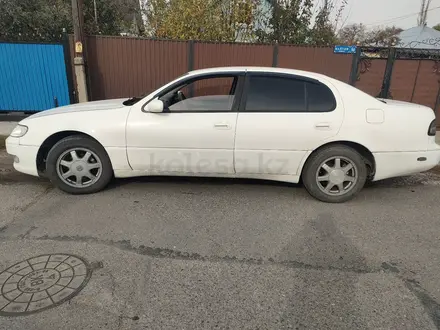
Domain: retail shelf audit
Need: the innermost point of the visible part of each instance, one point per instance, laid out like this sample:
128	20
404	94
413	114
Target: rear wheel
79	165
335	174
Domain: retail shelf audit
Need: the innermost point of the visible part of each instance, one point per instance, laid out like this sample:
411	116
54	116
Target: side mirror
155	106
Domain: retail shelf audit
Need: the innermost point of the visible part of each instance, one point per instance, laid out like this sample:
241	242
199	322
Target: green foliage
28	20
291	22
288	23
322	33
436	27
44	20
109	17
213	20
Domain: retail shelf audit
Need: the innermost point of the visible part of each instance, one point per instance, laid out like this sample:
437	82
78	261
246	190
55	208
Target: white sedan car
240	122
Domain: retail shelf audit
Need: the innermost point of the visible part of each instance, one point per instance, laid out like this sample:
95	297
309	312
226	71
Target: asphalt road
169	253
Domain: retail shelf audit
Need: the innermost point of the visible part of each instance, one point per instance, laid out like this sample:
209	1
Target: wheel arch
366	154
50	141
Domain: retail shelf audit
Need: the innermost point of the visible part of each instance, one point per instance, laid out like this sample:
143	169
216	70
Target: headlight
19	131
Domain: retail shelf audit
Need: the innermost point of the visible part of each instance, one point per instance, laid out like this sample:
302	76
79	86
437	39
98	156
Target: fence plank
427	85
316	59
403	80
124	67
207	55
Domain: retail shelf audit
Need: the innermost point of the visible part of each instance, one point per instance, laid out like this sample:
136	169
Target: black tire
316	159
78	141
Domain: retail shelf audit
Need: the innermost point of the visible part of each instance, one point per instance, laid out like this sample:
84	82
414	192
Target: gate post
386	84
355	66
68	63
78	60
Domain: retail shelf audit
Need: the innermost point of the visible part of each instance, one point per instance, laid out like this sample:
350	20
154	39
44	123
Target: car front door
194	134
281	118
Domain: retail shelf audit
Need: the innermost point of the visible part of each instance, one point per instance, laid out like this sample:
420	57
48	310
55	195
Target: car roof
258	69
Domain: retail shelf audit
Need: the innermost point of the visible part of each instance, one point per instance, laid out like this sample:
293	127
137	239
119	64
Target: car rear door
281	118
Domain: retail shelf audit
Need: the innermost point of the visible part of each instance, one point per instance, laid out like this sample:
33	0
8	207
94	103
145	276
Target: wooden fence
124	67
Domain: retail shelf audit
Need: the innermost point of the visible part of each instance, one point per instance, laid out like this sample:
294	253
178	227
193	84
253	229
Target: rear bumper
394	164
25	157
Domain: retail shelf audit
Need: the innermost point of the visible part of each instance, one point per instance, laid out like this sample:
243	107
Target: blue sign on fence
344	49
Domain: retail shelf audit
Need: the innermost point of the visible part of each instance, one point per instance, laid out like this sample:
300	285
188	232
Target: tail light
432	129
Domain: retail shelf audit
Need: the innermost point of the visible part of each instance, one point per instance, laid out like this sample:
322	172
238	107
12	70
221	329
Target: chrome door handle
221	125
322	125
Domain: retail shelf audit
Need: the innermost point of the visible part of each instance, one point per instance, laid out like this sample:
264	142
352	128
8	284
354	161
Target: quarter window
320	98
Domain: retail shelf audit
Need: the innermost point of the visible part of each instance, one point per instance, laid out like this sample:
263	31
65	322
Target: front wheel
335	174
79	165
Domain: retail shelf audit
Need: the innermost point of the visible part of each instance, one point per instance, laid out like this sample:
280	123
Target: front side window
204	94
275	94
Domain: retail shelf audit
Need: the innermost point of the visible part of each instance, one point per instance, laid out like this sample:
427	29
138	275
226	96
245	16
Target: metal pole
355	66
416	81
96	14
386	84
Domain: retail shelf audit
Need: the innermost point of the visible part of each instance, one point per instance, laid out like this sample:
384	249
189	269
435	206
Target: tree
110	18
34	19
436	27
353	34
44	20
358	34
289	22
323	33
215	20
385	37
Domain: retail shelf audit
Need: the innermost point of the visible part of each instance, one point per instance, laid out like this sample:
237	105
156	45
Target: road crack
165	253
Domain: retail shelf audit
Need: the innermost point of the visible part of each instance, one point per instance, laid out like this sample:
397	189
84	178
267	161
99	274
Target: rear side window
320	98
275	94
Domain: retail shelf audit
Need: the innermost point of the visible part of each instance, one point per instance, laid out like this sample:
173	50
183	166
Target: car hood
86	106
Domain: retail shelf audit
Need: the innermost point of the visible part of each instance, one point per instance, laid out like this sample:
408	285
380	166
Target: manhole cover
41	282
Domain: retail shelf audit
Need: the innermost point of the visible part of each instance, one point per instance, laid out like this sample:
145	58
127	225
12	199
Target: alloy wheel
336	176
79	167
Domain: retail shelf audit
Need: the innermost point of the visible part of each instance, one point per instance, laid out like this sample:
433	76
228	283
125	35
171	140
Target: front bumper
394	164
25	157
